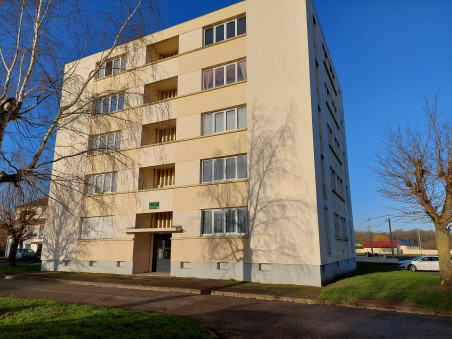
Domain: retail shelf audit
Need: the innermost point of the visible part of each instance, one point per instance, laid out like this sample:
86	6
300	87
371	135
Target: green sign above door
154	205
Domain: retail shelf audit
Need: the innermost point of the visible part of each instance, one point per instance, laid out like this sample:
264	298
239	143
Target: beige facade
218	160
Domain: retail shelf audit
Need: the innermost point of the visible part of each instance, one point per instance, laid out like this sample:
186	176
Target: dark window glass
230	29
218	169
106	105
218	217
230	221
208	36
99	106
230	168
207	171
121	101
114	103
242	216
219	33
241	26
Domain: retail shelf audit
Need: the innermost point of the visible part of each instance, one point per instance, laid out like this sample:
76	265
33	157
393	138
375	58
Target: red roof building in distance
381	244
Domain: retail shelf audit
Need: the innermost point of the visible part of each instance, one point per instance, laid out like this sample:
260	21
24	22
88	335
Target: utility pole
419	235
390	236
371	240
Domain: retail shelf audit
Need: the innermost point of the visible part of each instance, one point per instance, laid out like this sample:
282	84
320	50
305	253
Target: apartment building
214	149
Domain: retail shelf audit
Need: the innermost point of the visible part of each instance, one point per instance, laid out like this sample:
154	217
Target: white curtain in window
241	117
207	124
207	222
219	122
241	166
230	120
242	70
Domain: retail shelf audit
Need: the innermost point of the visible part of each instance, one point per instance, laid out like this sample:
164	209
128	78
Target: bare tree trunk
445	266
12	252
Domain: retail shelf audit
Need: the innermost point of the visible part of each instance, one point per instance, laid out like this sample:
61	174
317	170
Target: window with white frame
226	221
106	142
224	169
110	67
225	31
101	183
224	75
234	118
109	104
97	228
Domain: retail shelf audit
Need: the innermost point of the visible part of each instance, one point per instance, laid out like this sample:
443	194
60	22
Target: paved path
238	317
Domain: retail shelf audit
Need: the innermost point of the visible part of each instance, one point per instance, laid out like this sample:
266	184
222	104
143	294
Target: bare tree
415	169
21	207
38	39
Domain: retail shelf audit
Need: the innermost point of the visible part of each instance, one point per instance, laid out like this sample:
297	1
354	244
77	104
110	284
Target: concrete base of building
310	275
262	273
114	267
331	271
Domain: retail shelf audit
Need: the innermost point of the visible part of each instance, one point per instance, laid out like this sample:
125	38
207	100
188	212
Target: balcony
159	132
162	50
156	177
160	91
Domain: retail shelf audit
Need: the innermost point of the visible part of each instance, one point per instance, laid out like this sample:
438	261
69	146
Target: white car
421	263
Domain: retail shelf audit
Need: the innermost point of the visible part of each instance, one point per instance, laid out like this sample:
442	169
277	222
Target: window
105	142
101	183
337	226
224	221
224	31
223	75
344	229
97	228
234	118
109	104
337	185
224	169
111	67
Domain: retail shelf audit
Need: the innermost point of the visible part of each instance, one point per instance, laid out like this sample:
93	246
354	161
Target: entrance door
162	253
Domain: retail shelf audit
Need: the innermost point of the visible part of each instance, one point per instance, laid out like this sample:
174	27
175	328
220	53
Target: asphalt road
236	317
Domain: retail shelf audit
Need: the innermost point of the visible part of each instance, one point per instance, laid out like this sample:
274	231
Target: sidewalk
289	293
230	288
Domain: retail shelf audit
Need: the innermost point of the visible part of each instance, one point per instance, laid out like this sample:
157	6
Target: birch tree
415	170
37	39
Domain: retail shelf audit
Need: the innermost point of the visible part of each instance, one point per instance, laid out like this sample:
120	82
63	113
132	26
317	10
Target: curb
306	301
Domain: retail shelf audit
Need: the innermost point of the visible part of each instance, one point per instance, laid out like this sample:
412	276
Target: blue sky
388	55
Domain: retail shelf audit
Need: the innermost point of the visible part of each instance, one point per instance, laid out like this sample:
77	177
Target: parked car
37	255
25	254
421	263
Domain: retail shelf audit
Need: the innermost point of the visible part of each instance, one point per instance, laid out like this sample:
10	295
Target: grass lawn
41	318
5	270
376	281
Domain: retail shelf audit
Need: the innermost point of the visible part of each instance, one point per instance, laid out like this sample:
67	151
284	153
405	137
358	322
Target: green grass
376	281
5	270
26	318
